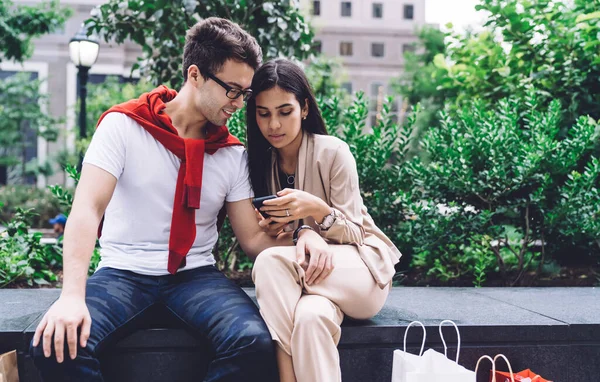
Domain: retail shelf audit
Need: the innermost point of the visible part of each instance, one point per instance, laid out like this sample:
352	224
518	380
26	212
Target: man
58	224
158	170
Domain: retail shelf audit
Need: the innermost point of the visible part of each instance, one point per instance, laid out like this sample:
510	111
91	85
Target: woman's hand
320	262
268	226
292	204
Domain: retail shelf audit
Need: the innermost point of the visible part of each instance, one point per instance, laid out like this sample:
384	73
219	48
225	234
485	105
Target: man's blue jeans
204	299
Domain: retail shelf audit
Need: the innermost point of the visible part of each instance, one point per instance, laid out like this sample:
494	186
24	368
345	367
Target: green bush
39	200
509	185
22	257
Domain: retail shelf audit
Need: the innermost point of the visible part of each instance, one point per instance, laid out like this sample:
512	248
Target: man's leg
220	311
114	298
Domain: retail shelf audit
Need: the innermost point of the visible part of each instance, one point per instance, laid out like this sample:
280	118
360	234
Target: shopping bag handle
493	362
424	335
444	341
493	367
510	370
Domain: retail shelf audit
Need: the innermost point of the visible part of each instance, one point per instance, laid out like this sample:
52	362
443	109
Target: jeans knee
255	341
36	352
40	360
263	344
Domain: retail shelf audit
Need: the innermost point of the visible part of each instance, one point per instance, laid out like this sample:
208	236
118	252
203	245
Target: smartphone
258	202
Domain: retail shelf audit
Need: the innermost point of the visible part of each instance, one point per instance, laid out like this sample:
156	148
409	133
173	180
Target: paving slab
19	308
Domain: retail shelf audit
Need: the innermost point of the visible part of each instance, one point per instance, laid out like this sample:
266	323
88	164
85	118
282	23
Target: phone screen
258	203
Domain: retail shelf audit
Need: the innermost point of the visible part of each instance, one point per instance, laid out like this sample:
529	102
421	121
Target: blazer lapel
273	175
302	163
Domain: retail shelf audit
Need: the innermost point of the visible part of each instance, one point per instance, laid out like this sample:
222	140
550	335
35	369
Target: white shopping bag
430	366
405	362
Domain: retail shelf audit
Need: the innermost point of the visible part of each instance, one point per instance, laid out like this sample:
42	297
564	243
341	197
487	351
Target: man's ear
194	76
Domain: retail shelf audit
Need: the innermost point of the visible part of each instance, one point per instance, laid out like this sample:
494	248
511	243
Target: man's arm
253	241
94	191
69	312
245	226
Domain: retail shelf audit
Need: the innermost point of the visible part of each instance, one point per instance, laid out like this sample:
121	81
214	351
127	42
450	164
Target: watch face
328	221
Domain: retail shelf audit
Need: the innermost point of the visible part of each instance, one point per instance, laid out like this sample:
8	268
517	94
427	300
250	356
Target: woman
302	298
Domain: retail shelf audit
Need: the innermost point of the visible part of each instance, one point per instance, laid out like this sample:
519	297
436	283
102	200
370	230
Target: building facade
369	37
51	61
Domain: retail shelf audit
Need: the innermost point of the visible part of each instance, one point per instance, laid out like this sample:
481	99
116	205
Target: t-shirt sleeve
107	148
241	188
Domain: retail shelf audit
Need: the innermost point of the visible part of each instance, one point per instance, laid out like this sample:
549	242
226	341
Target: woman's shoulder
328	143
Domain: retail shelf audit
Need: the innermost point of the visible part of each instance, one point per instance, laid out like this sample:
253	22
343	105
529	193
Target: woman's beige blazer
327	169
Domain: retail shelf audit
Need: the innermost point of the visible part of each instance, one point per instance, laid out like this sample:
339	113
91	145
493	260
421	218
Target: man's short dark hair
212	41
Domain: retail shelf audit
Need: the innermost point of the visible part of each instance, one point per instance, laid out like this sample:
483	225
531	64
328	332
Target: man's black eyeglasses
232	93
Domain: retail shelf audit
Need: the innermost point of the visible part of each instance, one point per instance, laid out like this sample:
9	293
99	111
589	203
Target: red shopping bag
522	376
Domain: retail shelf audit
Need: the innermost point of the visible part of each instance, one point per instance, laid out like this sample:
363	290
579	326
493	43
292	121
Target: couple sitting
156	174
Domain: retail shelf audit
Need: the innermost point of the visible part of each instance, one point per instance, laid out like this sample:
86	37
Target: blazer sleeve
345	198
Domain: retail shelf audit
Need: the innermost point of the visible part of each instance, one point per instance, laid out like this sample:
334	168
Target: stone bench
554	331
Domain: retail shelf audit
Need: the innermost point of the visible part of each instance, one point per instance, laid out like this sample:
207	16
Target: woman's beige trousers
305	320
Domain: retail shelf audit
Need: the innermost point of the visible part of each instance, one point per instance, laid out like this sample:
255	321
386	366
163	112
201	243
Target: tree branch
501	264
525	239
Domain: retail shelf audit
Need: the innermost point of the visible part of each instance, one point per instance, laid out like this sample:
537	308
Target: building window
347	86
409	12
316	10
345	49
408	48
346	9
377	10
318	46
377	49
23	147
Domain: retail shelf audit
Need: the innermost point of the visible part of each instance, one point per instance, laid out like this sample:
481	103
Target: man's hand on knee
62	320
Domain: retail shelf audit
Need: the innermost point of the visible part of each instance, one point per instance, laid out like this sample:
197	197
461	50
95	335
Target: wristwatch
328	220
297	231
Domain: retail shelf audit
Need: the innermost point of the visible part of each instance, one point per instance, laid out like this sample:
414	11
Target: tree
159	27
22	116
550	46
19	24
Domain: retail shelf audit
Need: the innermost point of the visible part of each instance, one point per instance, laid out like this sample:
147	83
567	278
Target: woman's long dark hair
290	78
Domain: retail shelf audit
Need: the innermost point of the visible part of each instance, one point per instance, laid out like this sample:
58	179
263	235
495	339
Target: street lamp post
83	50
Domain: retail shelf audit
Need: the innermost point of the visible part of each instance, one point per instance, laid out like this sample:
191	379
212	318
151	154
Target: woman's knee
313	312
271	258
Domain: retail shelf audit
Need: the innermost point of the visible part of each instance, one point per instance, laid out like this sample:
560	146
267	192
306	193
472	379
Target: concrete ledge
554	331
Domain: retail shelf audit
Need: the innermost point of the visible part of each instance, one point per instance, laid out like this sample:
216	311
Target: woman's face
279	116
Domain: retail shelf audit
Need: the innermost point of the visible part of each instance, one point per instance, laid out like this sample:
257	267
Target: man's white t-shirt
137	221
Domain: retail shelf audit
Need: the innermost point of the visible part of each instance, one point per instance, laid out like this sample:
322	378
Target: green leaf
588	16
440	61
504	71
